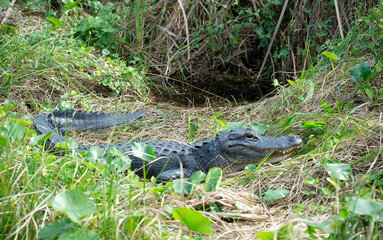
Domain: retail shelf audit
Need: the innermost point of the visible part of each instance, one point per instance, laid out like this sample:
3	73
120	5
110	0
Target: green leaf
339	171
213	179
54	229
288	121
105	52
232	125
12	131
325	107
221	123
217	115
309	125
182	186
55	21
5	4
63	105
285	232
21	122
292	83
197	177
241	206
370	93
258	127
275	194
366	207
74	203
40	139
71	5
360	71
338	106
310	91
143	151
265	235
97	155
330	55
47	107
67	144
80	234
250	168
195	221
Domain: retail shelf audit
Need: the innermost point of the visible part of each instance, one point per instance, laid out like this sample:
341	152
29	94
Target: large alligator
230	151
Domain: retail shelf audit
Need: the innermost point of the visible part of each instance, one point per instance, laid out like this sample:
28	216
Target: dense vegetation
121	56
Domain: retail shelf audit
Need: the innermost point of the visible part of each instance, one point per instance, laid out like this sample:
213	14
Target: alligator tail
59	121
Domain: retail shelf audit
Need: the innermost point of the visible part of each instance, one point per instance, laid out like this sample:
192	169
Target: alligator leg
172	174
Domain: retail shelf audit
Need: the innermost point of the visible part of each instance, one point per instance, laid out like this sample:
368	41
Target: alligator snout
295	140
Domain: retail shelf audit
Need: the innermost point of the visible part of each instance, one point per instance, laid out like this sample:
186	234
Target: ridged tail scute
60	121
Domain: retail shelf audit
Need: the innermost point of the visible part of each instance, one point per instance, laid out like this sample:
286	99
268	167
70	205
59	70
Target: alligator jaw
254	147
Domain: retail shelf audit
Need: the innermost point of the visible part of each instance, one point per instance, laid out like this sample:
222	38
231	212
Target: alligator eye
250	135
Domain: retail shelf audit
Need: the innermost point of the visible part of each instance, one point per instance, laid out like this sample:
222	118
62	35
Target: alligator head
241	147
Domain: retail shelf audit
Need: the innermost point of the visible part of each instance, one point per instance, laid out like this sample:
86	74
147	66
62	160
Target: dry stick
339	20
7	14
273	38
186	27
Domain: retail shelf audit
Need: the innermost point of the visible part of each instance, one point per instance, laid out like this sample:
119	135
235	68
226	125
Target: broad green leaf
339	171
197	177
12	131
213	179
250	167
47	107
71	5
265	235
182	186
292	83
5	4
143	151
275	194
67	144
232	125
63	105
370	93
8	106
360	71
97	155
309	125
330	55
285	232
325	107
105	52
40	139
79	234
258	127
55	21
195	221
74	203
366	207
120	162
54	229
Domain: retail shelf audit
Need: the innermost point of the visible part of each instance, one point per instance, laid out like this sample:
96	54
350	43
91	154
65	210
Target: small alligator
231	151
